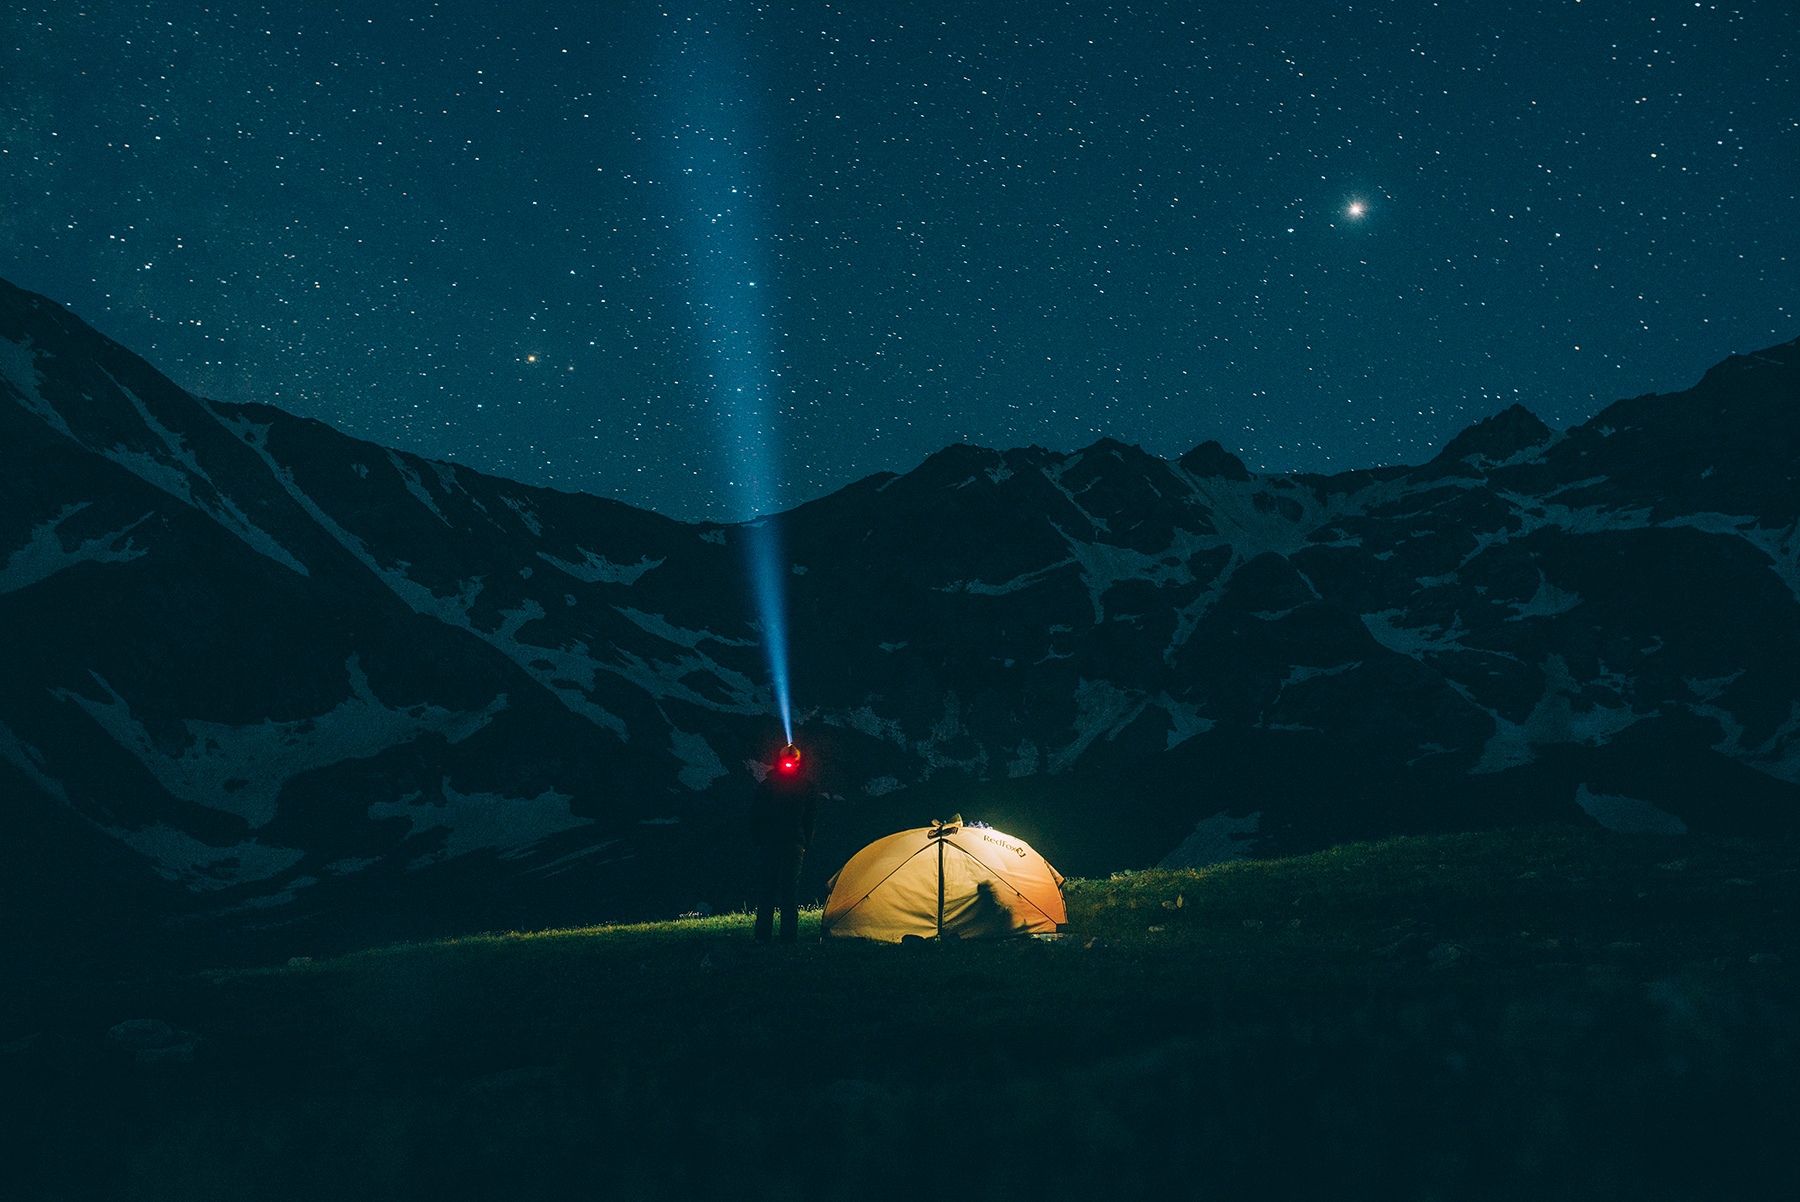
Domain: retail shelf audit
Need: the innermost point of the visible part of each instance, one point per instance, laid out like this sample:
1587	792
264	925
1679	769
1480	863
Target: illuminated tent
946	879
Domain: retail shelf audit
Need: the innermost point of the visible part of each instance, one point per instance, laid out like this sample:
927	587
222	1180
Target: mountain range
269	687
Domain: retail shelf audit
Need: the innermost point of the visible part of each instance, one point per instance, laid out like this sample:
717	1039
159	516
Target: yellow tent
946	879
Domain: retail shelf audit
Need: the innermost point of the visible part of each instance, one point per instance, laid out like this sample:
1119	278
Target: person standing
782	815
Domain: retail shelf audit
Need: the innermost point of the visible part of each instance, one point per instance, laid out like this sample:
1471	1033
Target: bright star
1356	209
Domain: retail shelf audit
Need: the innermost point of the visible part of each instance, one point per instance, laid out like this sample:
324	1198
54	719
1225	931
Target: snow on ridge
597	569
18	367
176	476
1778	543
483	821
1054	470
452	610
526	514
415	485
241	770
43	555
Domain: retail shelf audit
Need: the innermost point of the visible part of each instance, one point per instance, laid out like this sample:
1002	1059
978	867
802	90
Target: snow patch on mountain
178	856
595	568
1777	756
451	610
1184	721
1546	602
1251	529
1101	708
1300	673
700	764
1054	472
241	770
280	898
663	629
174	855
30	761
1022	581
416	486
482	821
526	515
1555	719
1627	815
18	367
1024	761
1782	548
44	555
865	720
180	475
1215	840
947	733
1103	564
350	864
1413	641
665	680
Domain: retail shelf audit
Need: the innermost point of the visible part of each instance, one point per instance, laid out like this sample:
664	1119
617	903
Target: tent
947	879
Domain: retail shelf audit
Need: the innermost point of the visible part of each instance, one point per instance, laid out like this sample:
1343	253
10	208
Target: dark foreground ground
1529	1014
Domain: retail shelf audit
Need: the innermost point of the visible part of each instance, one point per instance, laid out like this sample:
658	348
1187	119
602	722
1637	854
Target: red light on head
790	758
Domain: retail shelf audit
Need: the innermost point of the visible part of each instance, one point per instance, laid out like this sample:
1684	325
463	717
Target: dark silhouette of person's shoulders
783	810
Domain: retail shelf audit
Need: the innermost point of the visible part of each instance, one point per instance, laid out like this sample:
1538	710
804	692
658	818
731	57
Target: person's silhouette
782	815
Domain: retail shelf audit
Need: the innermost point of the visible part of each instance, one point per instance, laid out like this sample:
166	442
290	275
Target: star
1356	209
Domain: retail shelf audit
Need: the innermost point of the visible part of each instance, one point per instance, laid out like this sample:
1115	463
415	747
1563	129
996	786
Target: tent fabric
970	882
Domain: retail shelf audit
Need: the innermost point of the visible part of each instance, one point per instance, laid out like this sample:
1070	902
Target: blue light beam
763	551
731	300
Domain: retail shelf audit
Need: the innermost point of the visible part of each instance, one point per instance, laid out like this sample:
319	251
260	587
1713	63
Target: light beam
713	140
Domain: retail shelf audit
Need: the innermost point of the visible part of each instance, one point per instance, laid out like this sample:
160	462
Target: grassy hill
1545	1013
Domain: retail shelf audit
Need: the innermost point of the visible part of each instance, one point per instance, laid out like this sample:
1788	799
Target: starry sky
719	259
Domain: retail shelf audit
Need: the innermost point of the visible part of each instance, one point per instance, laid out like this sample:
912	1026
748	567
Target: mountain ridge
266	674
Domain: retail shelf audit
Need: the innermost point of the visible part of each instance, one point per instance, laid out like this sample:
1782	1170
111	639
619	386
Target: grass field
1539	1013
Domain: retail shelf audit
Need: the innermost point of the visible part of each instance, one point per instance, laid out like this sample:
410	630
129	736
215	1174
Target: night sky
714	260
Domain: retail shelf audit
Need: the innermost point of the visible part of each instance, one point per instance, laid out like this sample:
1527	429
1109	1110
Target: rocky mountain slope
261	676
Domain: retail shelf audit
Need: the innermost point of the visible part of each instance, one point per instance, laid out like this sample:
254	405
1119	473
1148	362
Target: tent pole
940	929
